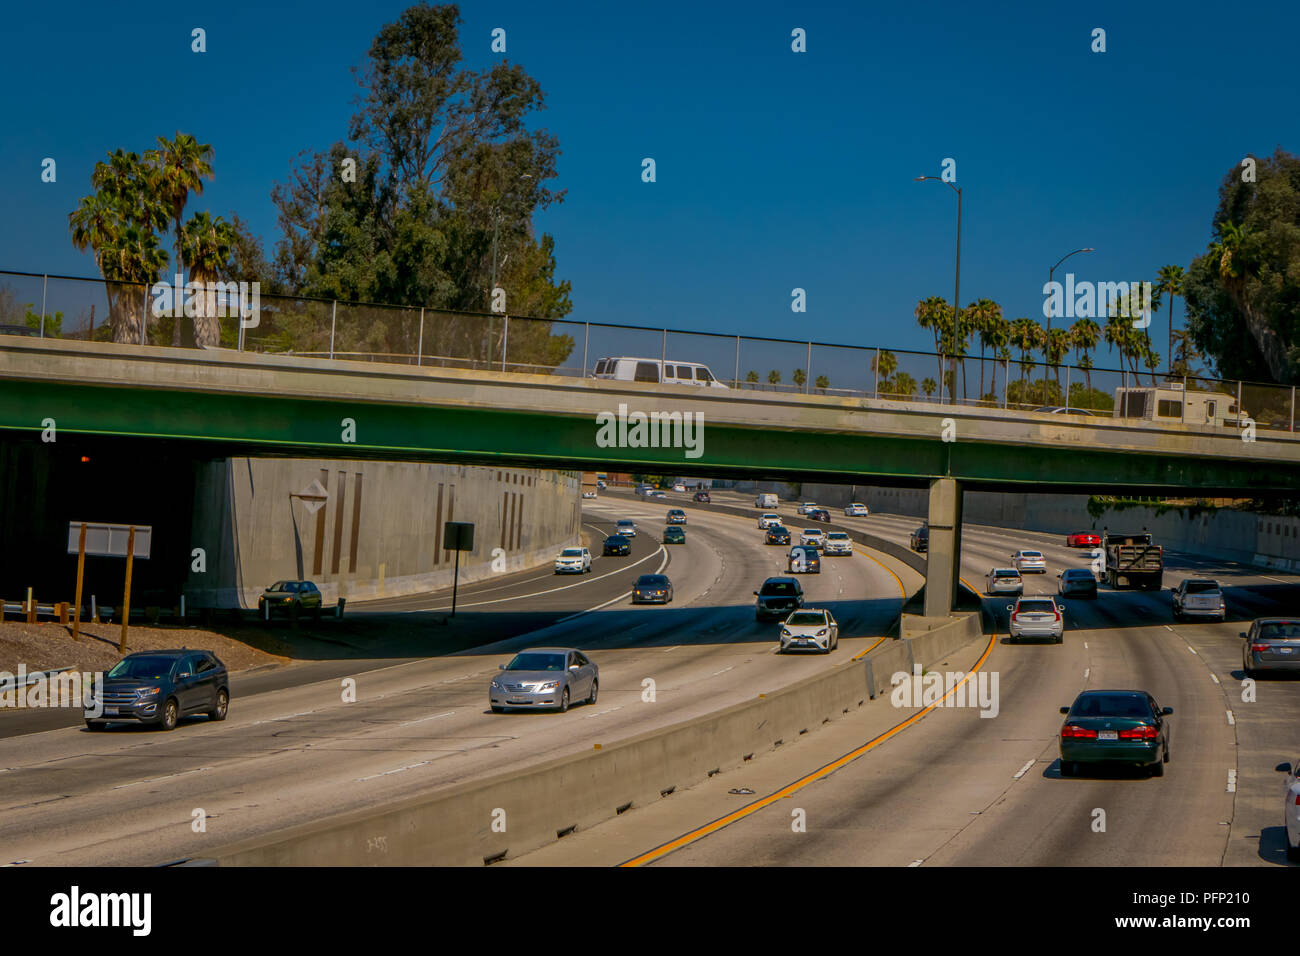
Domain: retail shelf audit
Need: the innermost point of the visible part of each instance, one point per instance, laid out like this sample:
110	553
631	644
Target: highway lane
298	754
957	789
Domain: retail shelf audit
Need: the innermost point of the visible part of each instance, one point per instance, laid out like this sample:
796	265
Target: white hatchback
810	629
813	536
808	506
855	510
768	521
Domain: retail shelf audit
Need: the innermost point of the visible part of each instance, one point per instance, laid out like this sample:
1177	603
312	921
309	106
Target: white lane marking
723	671
1168	628
1086	672
673	648
614	600
1215	678
576	584
169	776
448	680
271	720
915	863
409	766
1192	649
1232	781
1023	770
423	719
1085	645
602	712
1231	719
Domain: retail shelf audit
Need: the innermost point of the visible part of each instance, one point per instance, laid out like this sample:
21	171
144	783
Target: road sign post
81	575
458	536
126	588
109	541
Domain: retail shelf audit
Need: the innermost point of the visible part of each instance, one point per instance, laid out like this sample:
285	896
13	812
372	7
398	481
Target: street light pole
956	292
1047	344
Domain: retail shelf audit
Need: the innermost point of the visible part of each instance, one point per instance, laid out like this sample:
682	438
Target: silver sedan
544	677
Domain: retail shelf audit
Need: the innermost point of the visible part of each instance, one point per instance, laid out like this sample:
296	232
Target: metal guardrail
94	309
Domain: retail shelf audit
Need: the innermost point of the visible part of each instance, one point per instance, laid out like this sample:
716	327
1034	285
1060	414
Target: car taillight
1297	799
1145	732
1070	731
1057	612
1258	648
1014	615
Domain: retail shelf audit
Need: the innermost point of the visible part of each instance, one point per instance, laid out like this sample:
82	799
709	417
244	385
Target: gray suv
161	687
777	598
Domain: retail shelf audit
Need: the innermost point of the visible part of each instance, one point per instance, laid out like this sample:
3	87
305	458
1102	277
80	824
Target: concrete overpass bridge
221	403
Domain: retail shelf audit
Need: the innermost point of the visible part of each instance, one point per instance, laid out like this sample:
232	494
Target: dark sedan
920	540
819	514
652	589
674	534
1272	644
160	687
1077	581
804	559
290	595
616	544
1115	726
703	497
777	535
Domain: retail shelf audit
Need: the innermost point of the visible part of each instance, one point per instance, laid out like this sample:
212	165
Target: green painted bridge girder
221	423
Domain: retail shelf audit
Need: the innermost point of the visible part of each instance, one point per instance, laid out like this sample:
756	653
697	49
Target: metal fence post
875	388
807	371
144	311
45	281
1184	419
419	348
505	340
586	335
1067	389
663	358
1292	408
735	382
1238	401
1006	381
334	313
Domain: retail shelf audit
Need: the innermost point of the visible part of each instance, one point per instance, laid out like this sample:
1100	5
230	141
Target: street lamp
496	221
1047	343
956	293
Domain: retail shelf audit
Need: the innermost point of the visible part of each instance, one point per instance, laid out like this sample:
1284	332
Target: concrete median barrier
482	821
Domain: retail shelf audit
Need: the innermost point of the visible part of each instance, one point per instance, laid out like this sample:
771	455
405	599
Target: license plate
1287	650
110	711
1108	735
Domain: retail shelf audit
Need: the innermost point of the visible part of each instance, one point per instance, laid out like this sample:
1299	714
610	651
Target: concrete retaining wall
455	825
379	533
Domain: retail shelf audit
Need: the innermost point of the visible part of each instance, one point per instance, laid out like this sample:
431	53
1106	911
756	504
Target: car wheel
1293	853
595	687
564	701
1060	639
171	714
223	705
1068	768
498	710
1158	768
1250	672
95	725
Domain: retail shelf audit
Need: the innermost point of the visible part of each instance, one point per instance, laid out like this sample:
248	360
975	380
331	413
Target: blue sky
775	169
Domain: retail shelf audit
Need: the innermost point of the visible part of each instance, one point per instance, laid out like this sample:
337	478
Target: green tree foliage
447	179
1243	294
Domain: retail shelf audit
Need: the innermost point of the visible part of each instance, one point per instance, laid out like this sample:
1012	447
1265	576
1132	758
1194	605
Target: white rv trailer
1169	403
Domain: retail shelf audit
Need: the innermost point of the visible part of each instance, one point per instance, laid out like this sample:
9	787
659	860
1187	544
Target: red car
819	514
1083	539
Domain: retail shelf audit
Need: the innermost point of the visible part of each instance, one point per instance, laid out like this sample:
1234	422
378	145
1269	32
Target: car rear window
778	588
1006	573
1031	554
651	581
1037	607
1111	705
1279	630
600	367
1201	587
647	372
837	536
571	553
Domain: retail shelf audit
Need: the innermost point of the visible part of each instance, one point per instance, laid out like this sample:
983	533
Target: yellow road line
708	828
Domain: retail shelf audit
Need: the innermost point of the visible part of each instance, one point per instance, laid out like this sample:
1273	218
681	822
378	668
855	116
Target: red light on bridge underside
85	458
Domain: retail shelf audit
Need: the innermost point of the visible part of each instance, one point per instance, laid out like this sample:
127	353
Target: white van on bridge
1169	403
670	372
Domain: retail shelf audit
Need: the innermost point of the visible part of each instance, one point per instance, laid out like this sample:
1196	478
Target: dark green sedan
674	534
1115	726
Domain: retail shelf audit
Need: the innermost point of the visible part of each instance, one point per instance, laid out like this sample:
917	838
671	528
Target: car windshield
1279	630
625	524
1111	705
143	668
651	581
677	511
1077	573
778	587
284	586
806	617
1201	587
1031	554
1037	607
837	536
534	661
571	553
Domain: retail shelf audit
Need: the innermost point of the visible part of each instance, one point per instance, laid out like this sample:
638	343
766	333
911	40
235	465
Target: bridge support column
943	556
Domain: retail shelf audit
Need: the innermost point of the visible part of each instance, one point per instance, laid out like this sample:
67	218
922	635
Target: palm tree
206	244
1026	336
799	376
928	385
904	385
935	314
882	366
1084	336
751	376
823	383
183	164
996	335
1055	347
985	316
1170	282
774	378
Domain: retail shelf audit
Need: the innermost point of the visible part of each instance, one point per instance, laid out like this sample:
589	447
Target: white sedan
855	510
573	561
588	494
1291	810
837	542
808	506
1032	561
810	629
813	536
768	521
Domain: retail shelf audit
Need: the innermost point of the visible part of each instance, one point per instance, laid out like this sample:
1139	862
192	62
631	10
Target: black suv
921	539
161	687
617	544
777	598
